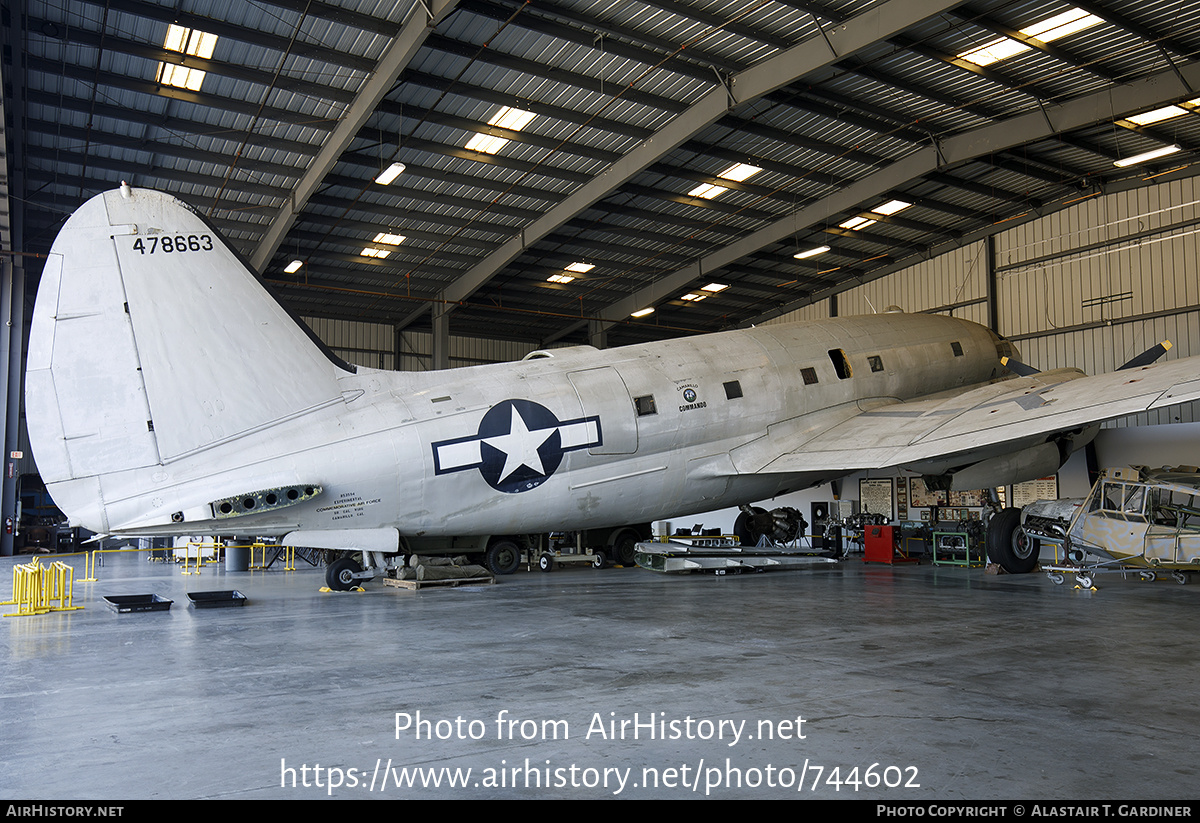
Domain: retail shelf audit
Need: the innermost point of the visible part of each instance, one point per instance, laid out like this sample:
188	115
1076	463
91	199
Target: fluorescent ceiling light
739	172
580	268
707	190
293	267
388	239
370	252
804	255
390	173
1146	156
185	41
693	297
891	207
1157	116
506	118
560	278
642	312
1047	31
714	287
856	223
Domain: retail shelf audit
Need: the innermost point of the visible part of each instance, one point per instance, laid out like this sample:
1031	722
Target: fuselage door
602	392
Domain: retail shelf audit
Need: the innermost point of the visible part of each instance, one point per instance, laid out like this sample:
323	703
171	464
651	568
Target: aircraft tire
624	548
339	575
546	563
1008	545
502	557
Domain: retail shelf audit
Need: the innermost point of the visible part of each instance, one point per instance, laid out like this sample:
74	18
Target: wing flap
983	417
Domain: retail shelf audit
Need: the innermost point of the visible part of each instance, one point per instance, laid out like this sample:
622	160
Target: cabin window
841	365
956	347
645	405
809	375
733	390
876	362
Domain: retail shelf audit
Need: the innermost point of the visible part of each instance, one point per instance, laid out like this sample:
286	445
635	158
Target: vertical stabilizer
151	340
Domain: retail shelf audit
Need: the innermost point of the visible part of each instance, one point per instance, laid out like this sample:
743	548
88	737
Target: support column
441	337
993	310
12	311
597	334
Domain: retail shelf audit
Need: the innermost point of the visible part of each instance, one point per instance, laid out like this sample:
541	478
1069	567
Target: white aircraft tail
151	341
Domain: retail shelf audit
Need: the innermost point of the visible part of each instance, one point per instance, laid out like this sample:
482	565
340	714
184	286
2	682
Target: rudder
151	341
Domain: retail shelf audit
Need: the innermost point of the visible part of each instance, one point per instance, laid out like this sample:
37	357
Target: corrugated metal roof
602	79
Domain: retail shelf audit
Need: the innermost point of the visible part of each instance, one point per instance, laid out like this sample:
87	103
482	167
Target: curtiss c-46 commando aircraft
168	393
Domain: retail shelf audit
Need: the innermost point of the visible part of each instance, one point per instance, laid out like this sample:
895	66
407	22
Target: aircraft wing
902	433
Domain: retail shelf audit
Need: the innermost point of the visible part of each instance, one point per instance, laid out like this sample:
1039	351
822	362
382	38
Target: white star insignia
520	446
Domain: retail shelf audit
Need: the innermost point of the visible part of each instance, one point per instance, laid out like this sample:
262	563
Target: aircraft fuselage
577	439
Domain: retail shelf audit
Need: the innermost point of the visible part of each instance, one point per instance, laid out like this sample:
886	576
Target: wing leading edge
974	420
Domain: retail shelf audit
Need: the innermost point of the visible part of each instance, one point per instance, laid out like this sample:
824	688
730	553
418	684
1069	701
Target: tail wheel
1009	546
339	576
503	557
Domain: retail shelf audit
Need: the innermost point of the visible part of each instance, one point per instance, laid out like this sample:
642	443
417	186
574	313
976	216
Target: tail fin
152	340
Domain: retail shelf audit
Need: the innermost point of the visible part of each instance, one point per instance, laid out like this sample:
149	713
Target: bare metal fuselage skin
167	392
373	451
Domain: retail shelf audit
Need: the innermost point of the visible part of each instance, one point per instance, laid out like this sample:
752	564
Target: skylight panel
1048	30
507	118
1157	116
190	42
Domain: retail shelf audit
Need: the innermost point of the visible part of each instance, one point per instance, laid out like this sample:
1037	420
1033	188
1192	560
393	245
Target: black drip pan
123	603
217	600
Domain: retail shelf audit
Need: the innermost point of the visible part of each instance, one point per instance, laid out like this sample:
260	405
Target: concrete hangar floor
912	683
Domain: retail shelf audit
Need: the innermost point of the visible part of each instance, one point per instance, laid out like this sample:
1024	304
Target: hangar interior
570	172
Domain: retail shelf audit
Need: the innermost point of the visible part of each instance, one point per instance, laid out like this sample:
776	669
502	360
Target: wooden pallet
452	582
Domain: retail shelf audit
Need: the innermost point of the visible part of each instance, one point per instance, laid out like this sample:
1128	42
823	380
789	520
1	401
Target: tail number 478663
168	244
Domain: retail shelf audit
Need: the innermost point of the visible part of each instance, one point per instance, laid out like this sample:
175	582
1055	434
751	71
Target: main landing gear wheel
502	557
1008	545
624	548
339	576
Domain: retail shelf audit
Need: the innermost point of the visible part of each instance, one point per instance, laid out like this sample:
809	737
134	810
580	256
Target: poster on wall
1044	488
875	496
921	497
973	498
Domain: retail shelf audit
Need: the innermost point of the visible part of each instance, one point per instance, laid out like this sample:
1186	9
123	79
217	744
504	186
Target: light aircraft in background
167	392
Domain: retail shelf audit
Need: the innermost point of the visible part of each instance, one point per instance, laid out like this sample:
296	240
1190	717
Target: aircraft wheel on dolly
1084	580
1149	577
1055	578
1180	577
